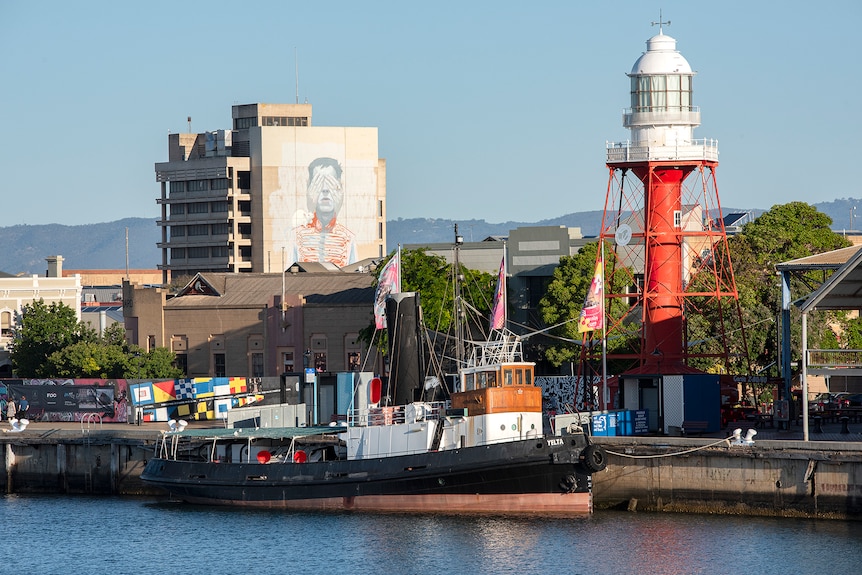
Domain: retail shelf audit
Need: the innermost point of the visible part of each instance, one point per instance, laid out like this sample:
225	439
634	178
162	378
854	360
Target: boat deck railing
395	414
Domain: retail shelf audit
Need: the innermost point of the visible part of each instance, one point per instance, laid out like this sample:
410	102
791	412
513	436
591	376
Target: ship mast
459	304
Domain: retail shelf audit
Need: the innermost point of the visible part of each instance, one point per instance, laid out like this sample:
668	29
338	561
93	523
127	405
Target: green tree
564	299
158	362
49	341
111	357
432	277
40	330
88	359
851	333
786	232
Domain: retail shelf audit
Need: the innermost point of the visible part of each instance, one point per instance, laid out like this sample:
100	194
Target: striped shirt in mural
331	243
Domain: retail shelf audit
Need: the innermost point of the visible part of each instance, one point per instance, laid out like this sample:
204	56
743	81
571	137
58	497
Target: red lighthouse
663	223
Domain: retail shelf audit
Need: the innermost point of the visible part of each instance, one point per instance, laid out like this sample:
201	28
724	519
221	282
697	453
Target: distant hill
89	246
103	246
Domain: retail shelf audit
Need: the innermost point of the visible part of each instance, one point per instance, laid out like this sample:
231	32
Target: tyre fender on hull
594	458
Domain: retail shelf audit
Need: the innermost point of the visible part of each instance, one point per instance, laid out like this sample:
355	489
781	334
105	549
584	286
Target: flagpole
399	267
505	287
604	336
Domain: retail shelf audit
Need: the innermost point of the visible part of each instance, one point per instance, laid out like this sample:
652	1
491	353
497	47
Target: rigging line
658	456
370	346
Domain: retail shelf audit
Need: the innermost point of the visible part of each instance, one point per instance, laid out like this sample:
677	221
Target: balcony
695	150
832	359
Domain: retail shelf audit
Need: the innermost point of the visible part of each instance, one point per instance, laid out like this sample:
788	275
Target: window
353	361
243	180
178	186
320	361
199	252
677	218
178	231
178	209
318	348
287	362
219	365
221	229
178	253
244	123
659	93
352	352
199	230
481	380
379	208
182	362
197	185
199	208
220	252
379	230
6	323
244	208
284	121
219	207
257	364
219	184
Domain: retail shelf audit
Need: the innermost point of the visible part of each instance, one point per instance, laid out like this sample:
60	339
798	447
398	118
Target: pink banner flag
591	314
388	282
498	311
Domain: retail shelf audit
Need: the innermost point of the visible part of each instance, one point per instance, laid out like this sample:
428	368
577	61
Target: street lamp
658	354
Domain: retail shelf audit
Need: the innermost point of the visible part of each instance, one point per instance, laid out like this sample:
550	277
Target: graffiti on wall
199	398
69	399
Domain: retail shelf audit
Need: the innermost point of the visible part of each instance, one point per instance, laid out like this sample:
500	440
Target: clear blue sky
486	109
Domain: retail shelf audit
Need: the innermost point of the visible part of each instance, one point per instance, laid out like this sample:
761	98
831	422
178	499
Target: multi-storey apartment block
271	191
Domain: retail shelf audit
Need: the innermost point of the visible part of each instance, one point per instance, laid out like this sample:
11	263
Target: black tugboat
481	449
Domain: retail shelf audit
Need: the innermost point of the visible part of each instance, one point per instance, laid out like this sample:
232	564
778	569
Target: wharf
779	475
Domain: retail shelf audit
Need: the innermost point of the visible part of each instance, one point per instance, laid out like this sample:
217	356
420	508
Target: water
94	536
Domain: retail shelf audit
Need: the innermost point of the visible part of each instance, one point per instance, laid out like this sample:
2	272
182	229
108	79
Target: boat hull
528	476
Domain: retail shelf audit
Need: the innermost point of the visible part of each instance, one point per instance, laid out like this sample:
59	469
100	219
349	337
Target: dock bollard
844	424
818	427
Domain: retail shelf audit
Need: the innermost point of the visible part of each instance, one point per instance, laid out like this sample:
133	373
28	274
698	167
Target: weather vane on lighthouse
660	23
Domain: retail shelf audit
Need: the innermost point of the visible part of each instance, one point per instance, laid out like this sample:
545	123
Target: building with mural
270	191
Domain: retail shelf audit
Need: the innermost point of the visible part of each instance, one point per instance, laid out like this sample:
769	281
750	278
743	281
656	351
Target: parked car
827	400
854	400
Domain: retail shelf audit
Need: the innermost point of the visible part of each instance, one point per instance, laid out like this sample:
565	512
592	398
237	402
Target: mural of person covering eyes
324	239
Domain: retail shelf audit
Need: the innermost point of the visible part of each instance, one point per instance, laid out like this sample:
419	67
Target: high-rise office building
271	191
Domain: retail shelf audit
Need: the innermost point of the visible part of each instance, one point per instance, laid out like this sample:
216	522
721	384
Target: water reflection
114	536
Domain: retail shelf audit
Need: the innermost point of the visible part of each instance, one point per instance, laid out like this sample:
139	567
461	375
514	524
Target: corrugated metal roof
827	260
241	289
843	289
102	294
